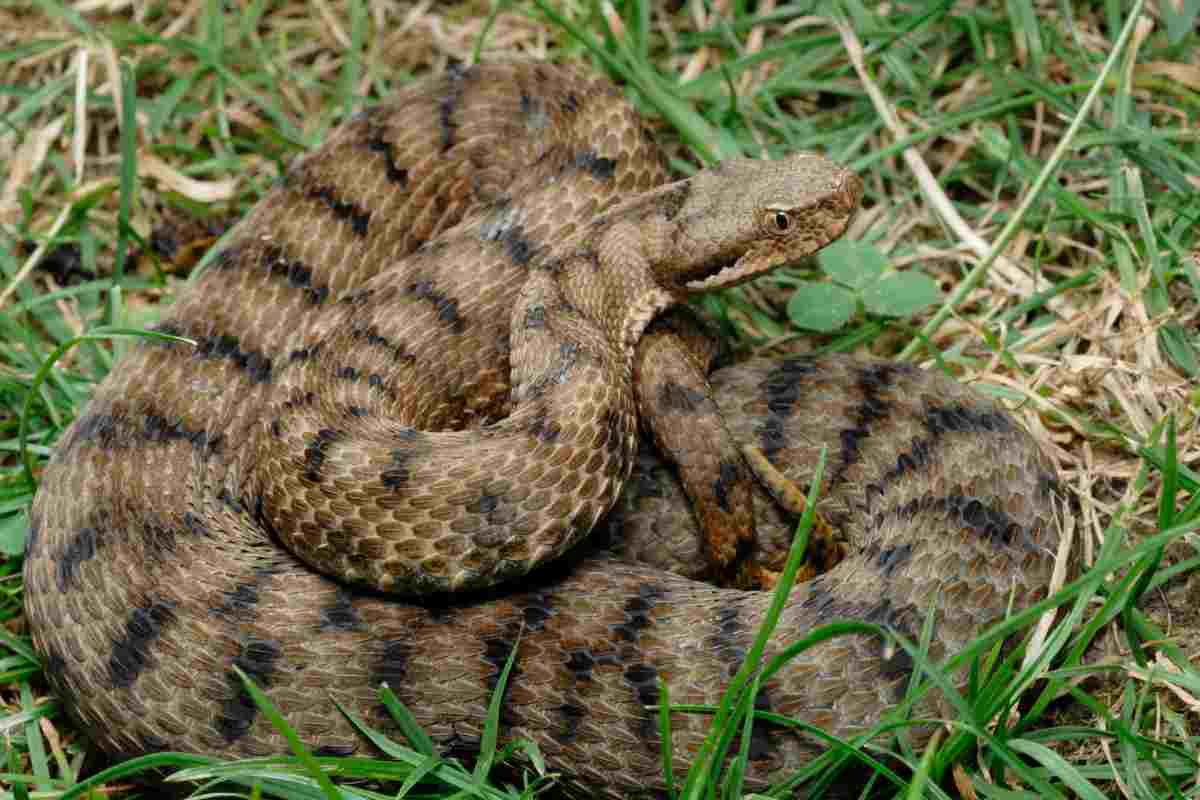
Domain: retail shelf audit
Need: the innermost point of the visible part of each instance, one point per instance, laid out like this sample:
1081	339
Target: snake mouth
812	227
717	273
723	272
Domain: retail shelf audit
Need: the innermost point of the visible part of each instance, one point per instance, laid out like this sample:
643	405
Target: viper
377	429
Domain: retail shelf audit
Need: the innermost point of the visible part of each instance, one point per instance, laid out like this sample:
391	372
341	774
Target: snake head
743	217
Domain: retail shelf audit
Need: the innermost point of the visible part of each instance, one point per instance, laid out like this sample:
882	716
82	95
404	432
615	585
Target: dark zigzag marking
727	478
316	452
158	541
391	667
446	307
370	335
259	660
130	654
277	266
596	166
120	430
346	210
782	388
79	548
985	521
397	475
377	144
254	364
872	381
156	537
674	396
939	421
496	652
895	661
579	664
295	273
725	642
340	614
535	608
499	227
240	604
456	76
642	679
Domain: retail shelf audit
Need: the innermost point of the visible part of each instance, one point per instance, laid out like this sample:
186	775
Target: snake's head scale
743	217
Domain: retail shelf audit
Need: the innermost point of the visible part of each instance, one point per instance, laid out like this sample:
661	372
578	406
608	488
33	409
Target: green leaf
901	294
853	264
821	307
12	534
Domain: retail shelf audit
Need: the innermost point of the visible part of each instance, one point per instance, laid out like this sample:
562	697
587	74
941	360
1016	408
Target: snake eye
781	221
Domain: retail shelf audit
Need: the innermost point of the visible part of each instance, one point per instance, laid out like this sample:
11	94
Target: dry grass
1086	321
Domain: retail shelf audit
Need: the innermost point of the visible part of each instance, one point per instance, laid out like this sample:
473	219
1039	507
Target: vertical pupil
781	220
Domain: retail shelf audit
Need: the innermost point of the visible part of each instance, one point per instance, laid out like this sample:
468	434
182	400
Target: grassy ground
1037	162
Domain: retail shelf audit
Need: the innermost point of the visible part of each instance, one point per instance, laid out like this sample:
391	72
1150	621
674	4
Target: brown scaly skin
320	407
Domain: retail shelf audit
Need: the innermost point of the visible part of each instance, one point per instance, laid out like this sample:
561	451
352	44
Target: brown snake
350	395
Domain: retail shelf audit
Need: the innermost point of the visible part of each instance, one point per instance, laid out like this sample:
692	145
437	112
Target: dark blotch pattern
316	452
960	419
643	680
725	641
763	735
295	273
446	307
596	166
131	650
82	547
340	614
637	612
239	603
872	383
517	246
538	607
259	660
396	477
782	388
133	427
678	398
335	750
302	354
223	346
455	78
395	174
940	421
727	478
987	522
34	535
357	217
570	714
373	338
392	665
496	652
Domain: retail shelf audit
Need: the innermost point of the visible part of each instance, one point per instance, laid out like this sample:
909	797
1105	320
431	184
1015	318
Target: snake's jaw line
743	218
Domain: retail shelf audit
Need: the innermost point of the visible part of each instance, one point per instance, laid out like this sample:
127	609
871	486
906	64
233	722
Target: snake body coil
350	395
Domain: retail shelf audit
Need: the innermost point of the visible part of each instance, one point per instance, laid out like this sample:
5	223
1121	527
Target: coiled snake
350	394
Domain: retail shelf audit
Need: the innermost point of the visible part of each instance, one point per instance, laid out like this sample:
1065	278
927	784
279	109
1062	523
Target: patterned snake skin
350	395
